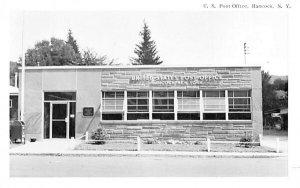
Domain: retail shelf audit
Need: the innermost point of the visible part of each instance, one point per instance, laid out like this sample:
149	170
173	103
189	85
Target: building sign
174	79
88	111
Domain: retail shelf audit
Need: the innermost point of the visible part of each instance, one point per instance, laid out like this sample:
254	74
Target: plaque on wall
88	111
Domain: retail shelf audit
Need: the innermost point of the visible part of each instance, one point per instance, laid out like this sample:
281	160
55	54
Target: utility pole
23	74
246	51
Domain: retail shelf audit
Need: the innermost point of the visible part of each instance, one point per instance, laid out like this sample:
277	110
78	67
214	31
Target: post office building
180	103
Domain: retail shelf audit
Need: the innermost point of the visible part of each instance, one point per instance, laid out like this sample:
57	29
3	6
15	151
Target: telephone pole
246	51
23	73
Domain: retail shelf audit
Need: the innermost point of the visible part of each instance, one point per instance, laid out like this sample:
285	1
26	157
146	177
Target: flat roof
131	67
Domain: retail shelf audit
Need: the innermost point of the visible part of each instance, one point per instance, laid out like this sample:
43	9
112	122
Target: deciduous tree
90	57
55	52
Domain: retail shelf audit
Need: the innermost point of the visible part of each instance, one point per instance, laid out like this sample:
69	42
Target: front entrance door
59	120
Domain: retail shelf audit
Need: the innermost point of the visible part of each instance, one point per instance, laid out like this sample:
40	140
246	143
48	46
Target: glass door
59	127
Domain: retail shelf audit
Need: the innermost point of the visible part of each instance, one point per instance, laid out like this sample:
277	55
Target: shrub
198	142
151	141
99	135
246	141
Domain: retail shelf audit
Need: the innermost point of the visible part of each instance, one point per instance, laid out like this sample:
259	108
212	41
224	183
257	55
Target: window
214	105
188	116
188	105
137	105
163	105
59	96
239	103
112	116
112	105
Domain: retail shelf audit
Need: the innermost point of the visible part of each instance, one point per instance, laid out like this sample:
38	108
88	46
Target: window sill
174	121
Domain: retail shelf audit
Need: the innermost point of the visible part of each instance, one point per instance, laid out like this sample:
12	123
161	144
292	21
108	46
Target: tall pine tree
146	50
72	42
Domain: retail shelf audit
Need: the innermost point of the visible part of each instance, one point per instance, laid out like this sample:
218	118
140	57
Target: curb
152	154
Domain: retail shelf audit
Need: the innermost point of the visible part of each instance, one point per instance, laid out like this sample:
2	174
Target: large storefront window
163	105
160	105
137	105
239	105
188	105
112	105
214	105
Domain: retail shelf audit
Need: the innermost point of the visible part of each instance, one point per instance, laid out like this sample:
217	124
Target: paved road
41	166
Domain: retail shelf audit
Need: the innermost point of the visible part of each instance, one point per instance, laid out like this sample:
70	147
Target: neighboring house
284	117
279	116
280	94
13	103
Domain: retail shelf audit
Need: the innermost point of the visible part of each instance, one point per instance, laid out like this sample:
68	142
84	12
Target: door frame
67	103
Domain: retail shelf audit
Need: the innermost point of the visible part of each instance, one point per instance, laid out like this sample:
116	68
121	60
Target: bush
151	141
198	142
246	141
99	135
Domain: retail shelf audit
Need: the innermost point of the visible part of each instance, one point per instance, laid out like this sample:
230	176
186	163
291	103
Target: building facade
181	103
13	103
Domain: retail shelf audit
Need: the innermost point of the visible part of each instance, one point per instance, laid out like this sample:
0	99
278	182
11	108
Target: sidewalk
65	148
269	140
46	146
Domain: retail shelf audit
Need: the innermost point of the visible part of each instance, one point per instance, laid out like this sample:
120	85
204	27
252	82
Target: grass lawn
117	146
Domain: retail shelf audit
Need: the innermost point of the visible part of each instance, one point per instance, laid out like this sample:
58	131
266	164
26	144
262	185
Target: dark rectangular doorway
59	115
60	120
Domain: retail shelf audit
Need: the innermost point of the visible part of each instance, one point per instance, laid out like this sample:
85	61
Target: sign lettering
175	80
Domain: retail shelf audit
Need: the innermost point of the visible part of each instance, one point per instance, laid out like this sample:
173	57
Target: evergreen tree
71	41
146	50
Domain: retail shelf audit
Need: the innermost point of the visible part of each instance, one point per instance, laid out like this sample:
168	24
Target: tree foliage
55	52
90	57
146	50
280	84
72	42
268	93
269	98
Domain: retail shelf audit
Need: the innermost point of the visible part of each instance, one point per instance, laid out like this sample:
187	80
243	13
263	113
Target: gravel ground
115	146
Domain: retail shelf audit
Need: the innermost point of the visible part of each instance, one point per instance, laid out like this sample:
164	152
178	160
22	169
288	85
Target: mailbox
17	133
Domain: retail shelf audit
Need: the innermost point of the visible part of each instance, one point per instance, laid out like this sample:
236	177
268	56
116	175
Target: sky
183	38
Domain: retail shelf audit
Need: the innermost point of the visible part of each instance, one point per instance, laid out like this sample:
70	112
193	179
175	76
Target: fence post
86	136
208	144
277	145
138	143
260	138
